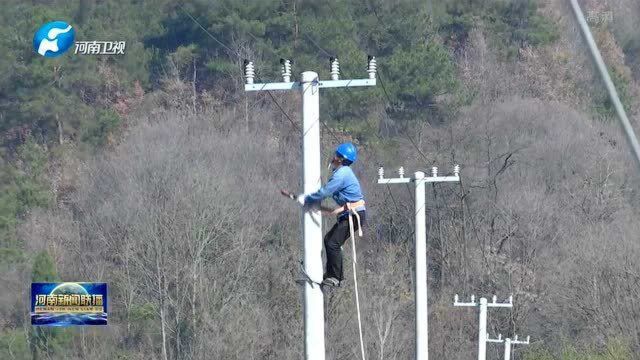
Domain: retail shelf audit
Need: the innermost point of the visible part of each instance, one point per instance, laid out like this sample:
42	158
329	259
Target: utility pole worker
345	189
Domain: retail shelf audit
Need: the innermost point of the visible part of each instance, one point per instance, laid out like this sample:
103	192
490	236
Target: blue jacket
343	186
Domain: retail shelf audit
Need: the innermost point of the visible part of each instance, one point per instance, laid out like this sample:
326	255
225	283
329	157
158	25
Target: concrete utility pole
310	86
483	305
508	343
422	325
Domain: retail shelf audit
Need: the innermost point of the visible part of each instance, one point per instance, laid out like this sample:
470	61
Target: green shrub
516	24
44	269
23	186
603	106
14	345
615	349
106	122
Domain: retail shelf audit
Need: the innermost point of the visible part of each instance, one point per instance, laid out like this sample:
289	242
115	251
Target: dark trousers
334	240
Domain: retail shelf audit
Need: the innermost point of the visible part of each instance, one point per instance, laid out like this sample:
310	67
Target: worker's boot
331	281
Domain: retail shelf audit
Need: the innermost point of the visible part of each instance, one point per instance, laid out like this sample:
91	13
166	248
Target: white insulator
473	298
456	170
516	338
335	69
495	299
381	173
249	72
499	336
371	69
455	298
434	171
286	70
401	171
511	299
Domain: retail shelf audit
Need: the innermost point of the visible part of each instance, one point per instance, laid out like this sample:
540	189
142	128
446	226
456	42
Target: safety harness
351	208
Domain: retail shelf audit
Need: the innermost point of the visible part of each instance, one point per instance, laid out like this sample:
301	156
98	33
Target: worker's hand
312	206
300	199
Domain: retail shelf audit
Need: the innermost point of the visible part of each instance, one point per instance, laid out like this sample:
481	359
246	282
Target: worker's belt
351	208
348	206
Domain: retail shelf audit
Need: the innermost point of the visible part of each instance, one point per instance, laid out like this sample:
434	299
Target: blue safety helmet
348	152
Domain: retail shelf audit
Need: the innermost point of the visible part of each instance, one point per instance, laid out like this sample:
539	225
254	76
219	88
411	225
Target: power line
412	141
273	99
324	124
380	163
282	110
415	145
404	131
375	12
207	31
366	120
276	102
316	44
384	89
464	200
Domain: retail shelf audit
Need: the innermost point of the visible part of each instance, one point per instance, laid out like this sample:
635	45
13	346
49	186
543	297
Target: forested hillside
155	172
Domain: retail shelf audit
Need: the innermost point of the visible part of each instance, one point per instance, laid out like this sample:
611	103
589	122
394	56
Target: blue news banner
68	303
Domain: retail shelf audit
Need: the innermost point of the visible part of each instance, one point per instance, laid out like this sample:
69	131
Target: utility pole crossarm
427	179
520	342
346	83
291	85
497	340
273	86
497	304
472	303
320	84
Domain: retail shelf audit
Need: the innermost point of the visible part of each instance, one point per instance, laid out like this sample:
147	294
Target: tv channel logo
53	38
68	303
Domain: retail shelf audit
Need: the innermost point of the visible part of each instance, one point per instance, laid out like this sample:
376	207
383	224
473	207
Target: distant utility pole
499	340
310	85
508	343
483	305
422	325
